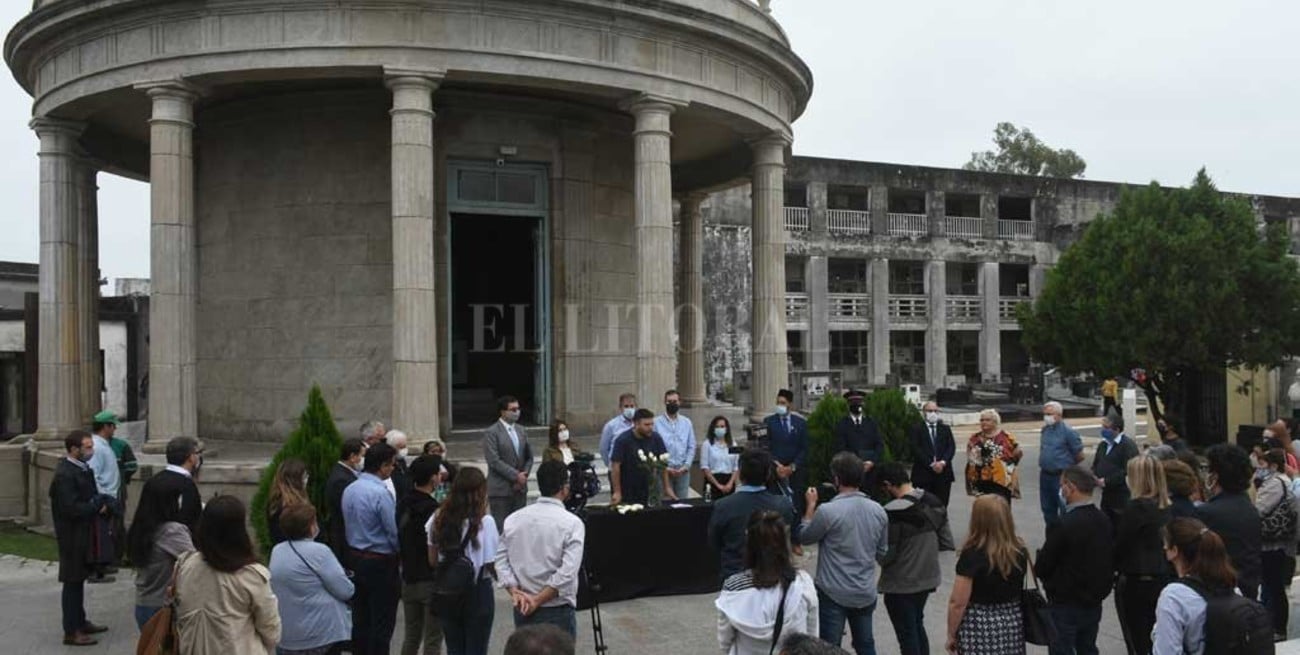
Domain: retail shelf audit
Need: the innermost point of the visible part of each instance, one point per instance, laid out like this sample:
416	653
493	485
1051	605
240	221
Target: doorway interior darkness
494	308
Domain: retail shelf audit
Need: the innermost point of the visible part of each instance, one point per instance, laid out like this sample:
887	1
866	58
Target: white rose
664	458
641	454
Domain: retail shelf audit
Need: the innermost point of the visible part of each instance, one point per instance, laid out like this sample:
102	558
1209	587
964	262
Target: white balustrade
1019	230
909	307
964	309
849	307
1007	308
907	224
848	221
796	219
796	307
963	226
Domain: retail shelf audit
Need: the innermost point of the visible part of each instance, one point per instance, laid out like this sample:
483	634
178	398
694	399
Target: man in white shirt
540	553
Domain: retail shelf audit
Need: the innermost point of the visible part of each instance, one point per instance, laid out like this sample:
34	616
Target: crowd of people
1175	537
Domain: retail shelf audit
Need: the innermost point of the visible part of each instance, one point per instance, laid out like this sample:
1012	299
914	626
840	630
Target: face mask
856	408
564	435
197	466
1049	420
356	466
719	432
628	412
1108	434
672	407
512	416
1060	493
85	456
932	417
781	410
305	480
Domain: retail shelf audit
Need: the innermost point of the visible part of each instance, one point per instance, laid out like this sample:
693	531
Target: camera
756	436
826	492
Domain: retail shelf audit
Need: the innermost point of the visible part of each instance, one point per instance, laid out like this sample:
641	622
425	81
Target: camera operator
731	514
852	531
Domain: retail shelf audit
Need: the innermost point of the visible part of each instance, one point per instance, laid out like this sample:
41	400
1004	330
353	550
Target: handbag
1279	523
1038	625
158	636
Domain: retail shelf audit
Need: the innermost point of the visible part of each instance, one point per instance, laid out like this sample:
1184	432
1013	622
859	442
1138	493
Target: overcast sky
1146	89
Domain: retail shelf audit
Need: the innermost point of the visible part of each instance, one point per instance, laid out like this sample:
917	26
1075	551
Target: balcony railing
963	226
849	307
1007	308
964	309
909	307
848	221
796	219
1019	230
907	224
796	307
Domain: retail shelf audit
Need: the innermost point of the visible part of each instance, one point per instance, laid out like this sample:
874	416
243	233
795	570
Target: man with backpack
422	625
909	570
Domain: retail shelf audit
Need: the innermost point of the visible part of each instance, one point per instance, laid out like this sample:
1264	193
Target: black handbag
1037	620
1279	523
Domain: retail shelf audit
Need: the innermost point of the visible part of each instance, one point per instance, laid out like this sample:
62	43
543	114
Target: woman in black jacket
1141	569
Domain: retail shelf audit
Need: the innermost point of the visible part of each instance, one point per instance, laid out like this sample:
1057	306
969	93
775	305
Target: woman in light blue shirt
716	461
1201	559
310	586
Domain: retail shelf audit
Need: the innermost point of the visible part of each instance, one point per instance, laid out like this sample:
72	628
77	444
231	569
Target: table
653	552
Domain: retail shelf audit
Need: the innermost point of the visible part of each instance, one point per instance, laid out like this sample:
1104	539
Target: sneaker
91	628
78	639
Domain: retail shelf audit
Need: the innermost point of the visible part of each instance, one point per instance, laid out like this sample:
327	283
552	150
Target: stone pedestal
415	346
770	366
690	311
59	386
991	334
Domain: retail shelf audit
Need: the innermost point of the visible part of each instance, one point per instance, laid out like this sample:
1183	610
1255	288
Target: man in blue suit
788	435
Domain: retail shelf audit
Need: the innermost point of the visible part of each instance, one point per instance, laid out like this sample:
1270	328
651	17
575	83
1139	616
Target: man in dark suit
74	503
509	460
788	435
1110	465
343	473
858	433
933	448
1075	565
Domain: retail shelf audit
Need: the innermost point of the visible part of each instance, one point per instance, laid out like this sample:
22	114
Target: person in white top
463	518
540	554
768	589
716	461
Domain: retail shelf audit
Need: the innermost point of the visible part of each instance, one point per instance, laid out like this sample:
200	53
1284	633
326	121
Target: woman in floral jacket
992	456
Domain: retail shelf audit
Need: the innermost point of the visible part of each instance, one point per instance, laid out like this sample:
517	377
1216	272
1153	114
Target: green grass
17	540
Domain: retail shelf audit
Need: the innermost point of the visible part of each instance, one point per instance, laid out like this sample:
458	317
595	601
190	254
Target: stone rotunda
416	204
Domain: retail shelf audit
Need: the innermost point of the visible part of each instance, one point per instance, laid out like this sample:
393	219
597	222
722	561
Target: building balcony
907	224
905	308
854	308
1018	230
963	226
964	309
1007	308
796	308
796	219
848	221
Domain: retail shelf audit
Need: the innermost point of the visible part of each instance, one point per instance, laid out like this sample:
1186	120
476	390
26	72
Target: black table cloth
653	552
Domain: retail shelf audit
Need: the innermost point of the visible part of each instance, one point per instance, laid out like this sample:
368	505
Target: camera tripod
597	630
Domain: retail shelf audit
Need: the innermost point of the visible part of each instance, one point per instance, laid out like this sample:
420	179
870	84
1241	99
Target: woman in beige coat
223	596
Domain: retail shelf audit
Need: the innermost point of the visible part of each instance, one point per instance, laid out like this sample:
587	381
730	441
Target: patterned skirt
991	630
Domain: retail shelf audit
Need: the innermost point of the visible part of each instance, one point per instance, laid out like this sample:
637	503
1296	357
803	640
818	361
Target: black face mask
856	408
672	408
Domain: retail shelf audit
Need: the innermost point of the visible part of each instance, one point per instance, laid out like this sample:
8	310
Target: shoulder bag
1039	628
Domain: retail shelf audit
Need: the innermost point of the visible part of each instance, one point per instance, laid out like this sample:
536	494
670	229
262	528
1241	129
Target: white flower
664	458
641	454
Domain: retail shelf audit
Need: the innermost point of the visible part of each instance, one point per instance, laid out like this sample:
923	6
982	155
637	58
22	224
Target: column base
695	401
157	447
48	435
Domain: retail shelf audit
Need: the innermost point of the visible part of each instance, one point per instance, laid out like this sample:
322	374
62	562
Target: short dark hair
540	639
671	392
96	427
1231	465
642	414
352	446
179	449
551	478
785	393
755	465
296	520
504	402
1080	477
378	455
893	473
847	469
74	439
423	469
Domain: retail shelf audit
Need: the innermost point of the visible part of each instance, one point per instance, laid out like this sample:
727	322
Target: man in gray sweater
850	531
909	572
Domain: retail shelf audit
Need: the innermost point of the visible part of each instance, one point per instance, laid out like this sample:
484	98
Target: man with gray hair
1075	564
372	432
399	483
1060	448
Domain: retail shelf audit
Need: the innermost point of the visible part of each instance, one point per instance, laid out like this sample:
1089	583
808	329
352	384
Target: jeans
467	626
374	605
563	617
907	613
681	485
1076	629
1272	593
832	616
1135	604
143	614
1048	498
422	625
74	607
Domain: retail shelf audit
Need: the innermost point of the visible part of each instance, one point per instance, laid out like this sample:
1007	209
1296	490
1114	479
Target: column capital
651	103
424	78
692	198
173	89
45	126
769	149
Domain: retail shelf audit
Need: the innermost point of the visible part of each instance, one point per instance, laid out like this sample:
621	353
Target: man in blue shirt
679	438
788	434
1059	449
370	519
617	426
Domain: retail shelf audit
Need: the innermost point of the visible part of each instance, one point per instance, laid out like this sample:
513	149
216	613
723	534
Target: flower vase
654	491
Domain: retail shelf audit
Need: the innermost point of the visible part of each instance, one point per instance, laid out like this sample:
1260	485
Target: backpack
454	577
1233	623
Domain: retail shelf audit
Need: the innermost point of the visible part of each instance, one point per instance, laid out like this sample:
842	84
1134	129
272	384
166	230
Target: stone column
817	207
879	363
173	398
989	213
879	202
991	334
767	327
656	364
59	379
690	358
415	340
936	361
1037	278
935	211
88	290
817	343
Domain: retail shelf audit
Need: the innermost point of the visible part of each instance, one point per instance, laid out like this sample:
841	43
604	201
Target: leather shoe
78	639
91	628
101	579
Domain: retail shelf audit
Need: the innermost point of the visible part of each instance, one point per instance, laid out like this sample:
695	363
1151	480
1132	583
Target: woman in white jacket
768	588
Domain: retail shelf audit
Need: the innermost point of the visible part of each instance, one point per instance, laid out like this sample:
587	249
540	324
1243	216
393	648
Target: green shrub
821	436
317	443
896	417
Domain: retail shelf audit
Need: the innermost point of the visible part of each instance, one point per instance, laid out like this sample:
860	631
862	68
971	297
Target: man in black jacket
422	625
343	473
1074	565
1110	465
933	448
74	503
1231	514
857	433
731	514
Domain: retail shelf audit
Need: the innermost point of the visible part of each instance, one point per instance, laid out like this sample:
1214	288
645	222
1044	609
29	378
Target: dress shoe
91	628
78	639
101	579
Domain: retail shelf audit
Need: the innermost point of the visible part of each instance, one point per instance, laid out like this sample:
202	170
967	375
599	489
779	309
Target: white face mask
628	412
932	417
512	415
305	479
563	435
1049	419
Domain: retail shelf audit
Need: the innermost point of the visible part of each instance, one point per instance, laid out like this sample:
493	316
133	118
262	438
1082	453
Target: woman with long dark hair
224	602
156	539
750	600
288	488
716	461
559	448
1201	560
463	518
984	610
